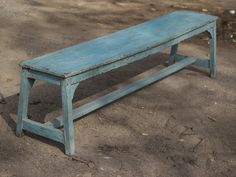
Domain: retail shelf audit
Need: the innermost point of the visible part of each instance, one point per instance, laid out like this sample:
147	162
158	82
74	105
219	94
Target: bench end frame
205	63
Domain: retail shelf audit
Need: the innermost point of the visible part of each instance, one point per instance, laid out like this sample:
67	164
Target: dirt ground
182	126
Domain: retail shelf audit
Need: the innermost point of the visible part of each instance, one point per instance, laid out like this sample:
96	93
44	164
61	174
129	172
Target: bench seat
119	45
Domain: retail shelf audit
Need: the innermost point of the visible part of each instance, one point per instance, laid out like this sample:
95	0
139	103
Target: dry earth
182	126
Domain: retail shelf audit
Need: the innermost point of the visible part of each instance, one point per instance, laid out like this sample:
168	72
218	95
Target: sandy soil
182	126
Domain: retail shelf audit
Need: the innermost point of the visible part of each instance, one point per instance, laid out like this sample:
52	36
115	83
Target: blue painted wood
37	75
109	98
205	63
173	52
72	65
105	68
25	86
119	45
43	130
213	47
102	69
67	95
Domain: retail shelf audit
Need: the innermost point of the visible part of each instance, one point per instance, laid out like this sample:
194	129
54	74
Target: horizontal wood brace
44	77
121	92
199	62
43	130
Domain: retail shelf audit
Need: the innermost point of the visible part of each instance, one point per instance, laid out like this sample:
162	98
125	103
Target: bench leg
67	93
25	86
212	33
173	52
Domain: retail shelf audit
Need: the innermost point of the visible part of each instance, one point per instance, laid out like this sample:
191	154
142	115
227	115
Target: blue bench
69	66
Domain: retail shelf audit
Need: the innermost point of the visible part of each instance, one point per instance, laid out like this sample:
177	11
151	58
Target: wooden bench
69	66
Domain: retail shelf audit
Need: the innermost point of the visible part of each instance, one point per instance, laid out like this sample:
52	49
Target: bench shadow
45	99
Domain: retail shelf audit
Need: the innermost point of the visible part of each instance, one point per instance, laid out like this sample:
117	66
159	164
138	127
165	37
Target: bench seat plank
119	45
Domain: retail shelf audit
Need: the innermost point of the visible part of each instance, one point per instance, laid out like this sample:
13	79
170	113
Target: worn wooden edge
44	77
205	63
121	92
43	130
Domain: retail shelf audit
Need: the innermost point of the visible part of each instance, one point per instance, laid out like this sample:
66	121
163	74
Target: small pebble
35	102
212	159
232	12
153	9
144	134
91	165
106	157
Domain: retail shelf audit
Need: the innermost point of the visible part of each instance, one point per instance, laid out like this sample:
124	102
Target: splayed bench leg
209	63
212	33
26	85
67	93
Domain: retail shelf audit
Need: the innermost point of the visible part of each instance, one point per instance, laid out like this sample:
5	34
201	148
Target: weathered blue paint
68	67
25	86
44	77
173	52
205	63
42	130
107	49
138	56
105	68
67	95
213	47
